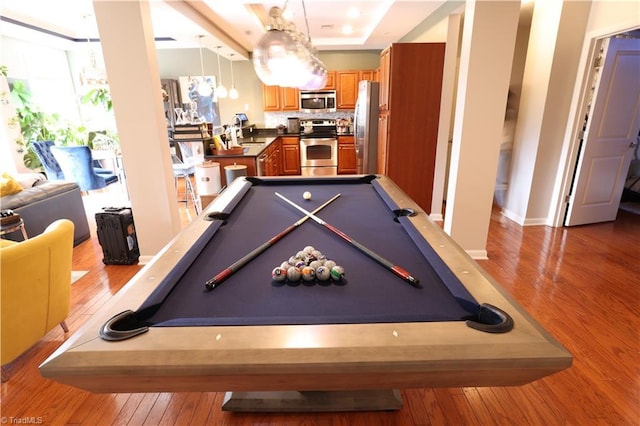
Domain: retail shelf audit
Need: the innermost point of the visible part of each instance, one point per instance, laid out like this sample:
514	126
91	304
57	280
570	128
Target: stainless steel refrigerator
365	123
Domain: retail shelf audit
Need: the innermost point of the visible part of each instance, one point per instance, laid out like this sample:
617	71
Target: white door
610	136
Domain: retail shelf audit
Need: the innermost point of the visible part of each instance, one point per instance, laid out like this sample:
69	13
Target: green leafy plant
36	125
98	96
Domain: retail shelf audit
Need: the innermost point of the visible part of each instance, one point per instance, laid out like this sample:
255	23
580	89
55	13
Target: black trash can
117	236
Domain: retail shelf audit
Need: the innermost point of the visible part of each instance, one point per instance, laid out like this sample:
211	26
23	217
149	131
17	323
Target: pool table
166	331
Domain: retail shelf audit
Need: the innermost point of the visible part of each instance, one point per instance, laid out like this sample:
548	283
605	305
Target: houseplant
37	125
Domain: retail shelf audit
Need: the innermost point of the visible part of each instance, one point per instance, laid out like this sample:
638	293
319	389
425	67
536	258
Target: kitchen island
264	155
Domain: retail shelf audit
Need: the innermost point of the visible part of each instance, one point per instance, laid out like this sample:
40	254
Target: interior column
130	58
488	40
551	70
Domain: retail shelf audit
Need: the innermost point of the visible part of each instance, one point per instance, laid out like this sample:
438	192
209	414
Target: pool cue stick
381	260
223	275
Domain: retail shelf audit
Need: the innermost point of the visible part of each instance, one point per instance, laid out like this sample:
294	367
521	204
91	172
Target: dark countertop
256	144
252	146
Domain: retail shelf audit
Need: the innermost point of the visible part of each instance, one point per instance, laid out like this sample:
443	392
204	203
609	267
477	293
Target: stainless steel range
318	147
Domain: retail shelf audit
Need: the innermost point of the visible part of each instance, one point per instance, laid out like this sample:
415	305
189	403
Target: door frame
574	130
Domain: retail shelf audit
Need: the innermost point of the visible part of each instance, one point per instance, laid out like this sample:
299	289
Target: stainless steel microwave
318	101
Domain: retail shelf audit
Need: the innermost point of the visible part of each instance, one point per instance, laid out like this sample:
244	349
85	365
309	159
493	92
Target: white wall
554	76
606	18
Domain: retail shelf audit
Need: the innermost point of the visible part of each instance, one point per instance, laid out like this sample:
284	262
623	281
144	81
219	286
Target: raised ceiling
236	25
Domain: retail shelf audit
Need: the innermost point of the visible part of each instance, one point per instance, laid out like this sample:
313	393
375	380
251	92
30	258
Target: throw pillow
8	185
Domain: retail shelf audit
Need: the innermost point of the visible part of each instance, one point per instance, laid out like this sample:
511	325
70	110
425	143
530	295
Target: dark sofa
44	202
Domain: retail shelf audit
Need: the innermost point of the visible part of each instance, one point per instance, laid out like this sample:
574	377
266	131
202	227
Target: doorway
609	136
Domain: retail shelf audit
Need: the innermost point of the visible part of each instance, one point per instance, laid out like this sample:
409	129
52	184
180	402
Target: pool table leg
313	401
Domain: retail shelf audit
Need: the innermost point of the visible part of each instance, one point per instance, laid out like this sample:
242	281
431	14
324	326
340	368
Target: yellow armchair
35	278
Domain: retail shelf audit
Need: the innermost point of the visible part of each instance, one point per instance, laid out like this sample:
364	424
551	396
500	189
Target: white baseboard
436	217
536	221
512	216
478	254
143	260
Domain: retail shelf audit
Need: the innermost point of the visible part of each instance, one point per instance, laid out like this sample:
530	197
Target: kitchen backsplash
274	119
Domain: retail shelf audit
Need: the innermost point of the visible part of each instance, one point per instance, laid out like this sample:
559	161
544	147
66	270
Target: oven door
318	152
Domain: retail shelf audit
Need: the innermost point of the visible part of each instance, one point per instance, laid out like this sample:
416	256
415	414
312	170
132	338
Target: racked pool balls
308	264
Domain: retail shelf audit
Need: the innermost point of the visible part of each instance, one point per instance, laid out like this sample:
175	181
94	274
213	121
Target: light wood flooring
581	283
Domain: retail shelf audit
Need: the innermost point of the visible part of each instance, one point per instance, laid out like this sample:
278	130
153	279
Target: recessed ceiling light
347	29
287	14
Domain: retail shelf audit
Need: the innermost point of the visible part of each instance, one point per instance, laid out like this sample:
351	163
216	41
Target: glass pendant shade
204	89
221	91
274	57
284	57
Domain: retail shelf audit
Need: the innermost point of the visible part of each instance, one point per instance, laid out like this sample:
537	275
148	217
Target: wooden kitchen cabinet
410	91
331	81
345	83
347	87
347	93
276	98
290	155
272	159
368	75
290	99
346	156
271	98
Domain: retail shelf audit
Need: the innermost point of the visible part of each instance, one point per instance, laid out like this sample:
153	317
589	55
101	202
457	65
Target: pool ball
308	273
293	274
285	265
306	195
337	272
329	264
323	273
278	274
308	250
315	264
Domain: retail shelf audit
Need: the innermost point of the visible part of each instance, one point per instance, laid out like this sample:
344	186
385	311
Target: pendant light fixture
221	91
91	75
204	89
233	93
285	57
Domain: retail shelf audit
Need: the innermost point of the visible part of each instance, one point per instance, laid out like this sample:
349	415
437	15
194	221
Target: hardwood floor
581	283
